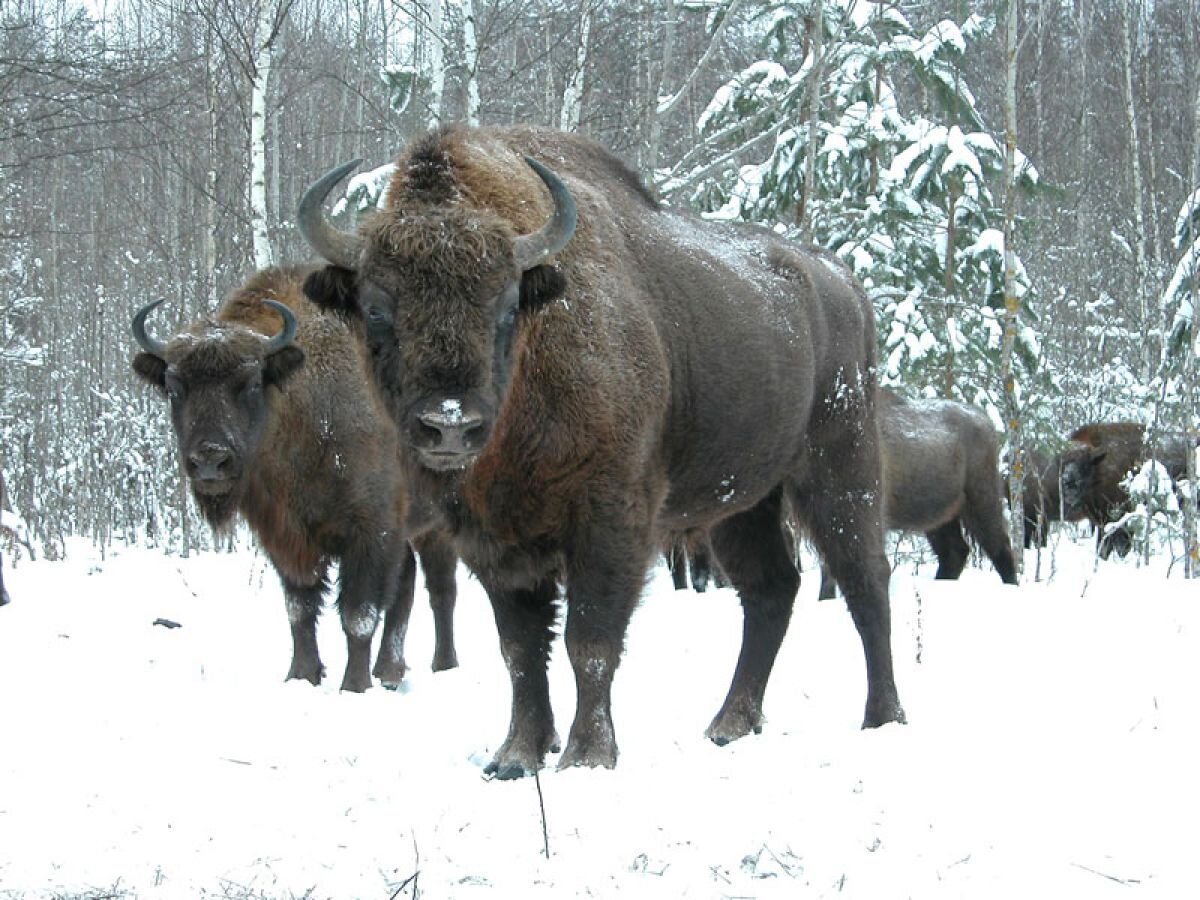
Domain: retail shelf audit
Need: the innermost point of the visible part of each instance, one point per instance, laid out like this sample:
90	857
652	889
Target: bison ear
540	285
152	370
332	288
282	364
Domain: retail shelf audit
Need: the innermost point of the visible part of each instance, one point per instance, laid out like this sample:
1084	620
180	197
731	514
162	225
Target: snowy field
1051	752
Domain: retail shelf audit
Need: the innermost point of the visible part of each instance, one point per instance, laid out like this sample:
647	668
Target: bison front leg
303	609
603	585
524	619
753	551
389	663
368	585
439	562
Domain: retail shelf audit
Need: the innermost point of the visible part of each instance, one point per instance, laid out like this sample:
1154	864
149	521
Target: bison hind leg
951	549
753	551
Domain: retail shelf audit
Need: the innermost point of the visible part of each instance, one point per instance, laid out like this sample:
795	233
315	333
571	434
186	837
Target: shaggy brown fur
1094	466
940	464
298	443
666	374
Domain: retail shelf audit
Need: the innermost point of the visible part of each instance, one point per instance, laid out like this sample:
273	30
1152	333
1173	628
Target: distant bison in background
275	419
1096	464
3	590
1041	497
664	373
941	471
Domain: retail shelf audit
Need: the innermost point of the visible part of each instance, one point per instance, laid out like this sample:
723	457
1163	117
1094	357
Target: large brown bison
1094	466
577	371
940	464
275	419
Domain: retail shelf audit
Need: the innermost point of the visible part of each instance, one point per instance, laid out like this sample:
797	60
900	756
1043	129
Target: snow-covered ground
1052	749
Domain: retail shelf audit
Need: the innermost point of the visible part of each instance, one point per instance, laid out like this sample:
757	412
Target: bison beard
663	374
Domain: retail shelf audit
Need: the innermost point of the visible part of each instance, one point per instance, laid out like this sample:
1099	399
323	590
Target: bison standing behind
287	431
1096	464
941	471
664	374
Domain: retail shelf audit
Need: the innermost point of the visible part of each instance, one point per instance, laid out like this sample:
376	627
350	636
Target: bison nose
450	430
209	462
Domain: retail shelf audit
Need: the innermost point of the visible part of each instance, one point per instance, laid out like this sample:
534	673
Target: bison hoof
306	672
593	757
355	684
517	758
882	713
729	726
390	675
444	661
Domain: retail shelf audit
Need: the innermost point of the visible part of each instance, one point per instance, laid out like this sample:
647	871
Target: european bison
663	374
275	418
4	600
1095	465
940	464
1041	496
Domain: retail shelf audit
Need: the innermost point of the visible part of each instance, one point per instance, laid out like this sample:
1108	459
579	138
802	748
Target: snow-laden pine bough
942	476
577	371
275	418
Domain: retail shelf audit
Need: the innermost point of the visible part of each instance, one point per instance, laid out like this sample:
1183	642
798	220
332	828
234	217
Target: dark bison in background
1041	496
275	418
941	472
3	590
577	371
1093	468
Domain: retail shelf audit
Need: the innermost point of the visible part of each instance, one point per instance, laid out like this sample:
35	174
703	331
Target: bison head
439	286
1077	476
216	376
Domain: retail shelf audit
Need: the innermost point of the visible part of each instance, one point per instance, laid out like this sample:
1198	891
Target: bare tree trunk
572	96
654	144
1141	273
435	67
804	210
471	61
210	180
1191	566
1012	303
264	51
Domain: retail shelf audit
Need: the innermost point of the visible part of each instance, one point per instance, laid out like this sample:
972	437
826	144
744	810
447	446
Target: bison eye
378	321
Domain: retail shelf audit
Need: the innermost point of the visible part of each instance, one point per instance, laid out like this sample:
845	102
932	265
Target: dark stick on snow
542	807
167	623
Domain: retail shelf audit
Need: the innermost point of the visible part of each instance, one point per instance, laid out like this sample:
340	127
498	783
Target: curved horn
287	334
532	249
337	247
147	343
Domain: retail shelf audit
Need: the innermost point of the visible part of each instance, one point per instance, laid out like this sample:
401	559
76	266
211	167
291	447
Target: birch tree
471	61
572	96
1012	299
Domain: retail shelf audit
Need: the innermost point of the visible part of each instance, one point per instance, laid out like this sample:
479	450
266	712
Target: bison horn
533	249
147	343
338	247
288	332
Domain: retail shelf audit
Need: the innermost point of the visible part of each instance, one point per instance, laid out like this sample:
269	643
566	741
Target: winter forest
156	149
